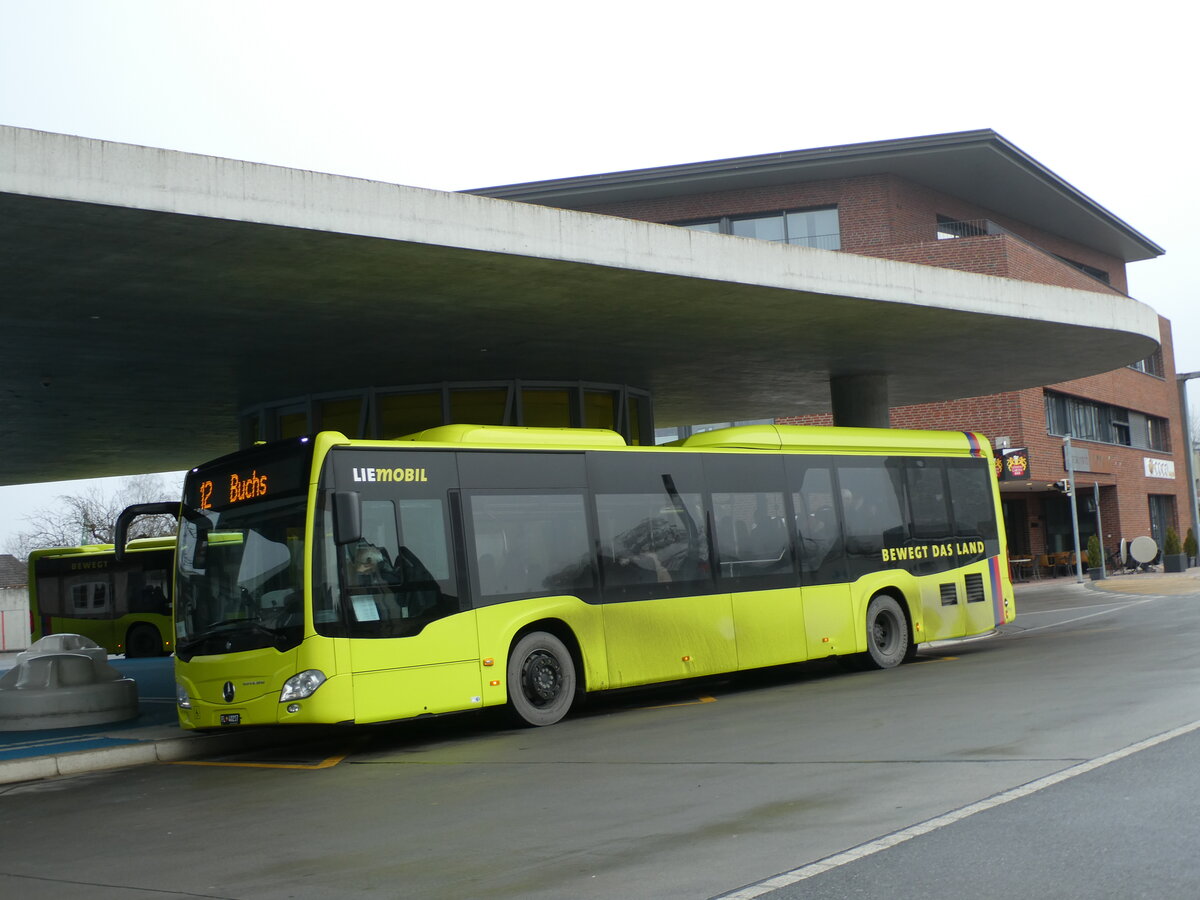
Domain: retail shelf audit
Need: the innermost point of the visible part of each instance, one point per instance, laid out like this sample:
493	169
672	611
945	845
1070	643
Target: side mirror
129	513
347	517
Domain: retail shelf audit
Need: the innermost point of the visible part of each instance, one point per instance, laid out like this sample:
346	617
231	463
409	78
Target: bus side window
651	538
972	502
752	536
871	495
89	597
390	589
929	512
529	545
818	527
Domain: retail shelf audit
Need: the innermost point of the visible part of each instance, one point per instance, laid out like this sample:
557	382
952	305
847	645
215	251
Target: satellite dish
1143	550
1124	551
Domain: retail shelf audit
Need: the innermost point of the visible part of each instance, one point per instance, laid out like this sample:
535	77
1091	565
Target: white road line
1102	612
906	834
1061	609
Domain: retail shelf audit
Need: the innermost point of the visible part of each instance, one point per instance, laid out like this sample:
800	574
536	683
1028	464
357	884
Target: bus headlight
181	696
302	685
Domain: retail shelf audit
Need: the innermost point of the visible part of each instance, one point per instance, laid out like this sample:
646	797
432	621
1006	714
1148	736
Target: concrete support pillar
860	401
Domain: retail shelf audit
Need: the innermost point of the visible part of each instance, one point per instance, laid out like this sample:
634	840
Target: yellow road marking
324	764
696	702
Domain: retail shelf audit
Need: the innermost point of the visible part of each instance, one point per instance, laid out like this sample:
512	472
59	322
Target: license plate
231	718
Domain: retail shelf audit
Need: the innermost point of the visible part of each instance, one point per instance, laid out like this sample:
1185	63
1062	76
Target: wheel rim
541	678
884	633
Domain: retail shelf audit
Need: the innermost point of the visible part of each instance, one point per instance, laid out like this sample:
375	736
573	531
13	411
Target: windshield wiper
228	628
244	620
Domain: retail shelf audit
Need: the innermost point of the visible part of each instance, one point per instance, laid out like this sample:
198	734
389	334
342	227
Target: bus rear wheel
541	680
142	640
887	633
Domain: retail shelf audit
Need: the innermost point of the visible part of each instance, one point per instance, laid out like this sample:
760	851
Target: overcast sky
472	94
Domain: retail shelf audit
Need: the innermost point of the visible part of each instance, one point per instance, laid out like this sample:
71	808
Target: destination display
250	478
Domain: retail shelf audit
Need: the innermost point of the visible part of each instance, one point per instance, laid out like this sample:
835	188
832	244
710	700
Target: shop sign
1012	464
1159	468
1080	460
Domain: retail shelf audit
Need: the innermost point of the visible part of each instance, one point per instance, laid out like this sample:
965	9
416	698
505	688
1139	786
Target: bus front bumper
331	703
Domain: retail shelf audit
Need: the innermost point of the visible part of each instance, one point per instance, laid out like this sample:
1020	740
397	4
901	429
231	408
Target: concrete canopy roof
146	296
980	166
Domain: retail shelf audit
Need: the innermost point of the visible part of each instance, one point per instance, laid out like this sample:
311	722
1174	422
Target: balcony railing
969	228
818	241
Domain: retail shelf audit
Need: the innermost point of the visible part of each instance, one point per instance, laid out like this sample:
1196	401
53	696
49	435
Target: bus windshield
240	580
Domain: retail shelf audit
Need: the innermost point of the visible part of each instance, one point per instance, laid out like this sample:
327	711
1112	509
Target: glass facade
486	406
807	228
394	412
1087	420
401	414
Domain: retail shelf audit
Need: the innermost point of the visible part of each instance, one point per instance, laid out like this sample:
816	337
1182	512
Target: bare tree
90	516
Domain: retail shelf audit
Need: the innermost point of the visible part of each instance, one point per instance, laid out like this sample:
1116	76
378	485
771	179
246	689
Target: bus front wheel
887	633
142	640
541	679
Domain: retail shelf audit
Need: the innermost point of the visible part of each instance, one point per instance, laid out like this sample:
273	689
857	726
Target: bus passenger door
829	621
434	671
414	647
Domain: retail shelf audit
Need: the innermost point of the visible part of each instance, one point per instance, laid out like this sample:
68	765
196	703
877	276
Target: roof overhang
979	166
147	296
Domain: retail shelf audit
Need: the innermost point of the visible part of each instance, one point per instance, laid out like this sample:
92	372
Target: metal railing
818	241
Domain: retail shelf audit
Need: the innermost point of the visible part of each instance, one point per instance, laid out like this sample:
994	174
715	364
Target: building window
1098	274
817	228
479	406
401	414
1087	420
1151	365
344	415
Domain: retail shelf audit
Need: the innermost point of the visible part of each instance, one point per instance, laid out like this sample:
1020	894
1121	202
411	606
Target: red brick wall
1021	416
883	211
918	204
995	254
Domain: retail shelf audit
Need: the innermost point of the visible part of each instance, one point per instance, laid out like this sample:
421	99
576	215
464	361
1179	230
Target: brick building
973	202
1127	439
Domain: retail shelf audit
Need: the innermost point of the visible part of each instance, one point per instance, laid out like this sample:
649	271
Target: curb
175	749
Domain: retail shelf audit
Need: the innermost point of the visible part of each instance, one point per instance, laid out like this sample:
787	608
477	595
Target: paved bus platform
154	735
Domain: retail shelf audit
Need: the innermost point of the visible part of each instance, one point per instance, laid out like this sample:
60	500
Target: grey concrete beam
146	296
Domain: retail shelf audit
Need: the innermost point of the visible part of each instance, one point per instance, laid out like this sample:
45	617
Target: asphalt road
1043	762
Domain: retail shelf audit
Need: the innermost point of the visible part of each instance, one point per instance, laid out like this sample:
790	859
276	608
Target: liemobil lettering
371	473
932	551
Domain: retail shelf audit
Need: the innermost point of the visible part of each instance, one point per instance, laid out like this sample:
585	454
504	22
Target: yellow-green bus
124	605
329	580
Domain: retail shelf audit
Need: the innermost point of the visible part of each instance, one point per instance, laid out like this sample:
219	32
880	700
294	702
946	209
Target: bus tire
541	680
142	640
888	639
